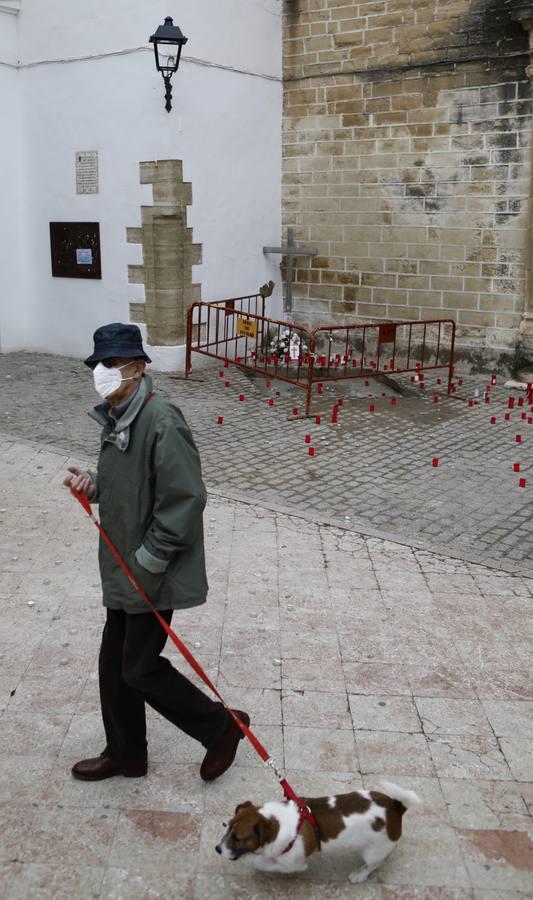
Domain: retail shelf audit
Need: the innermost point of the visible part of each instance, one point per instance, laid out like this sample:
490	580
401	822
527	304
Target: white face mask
107	381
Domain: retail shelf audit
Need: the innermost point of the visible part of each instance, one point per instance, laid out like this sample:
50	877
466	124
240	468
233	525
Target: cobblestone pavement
358	658
371	472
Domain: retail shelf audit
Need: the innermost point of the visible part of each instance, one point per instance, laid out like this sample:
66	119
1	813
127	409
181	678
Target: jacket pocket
150	583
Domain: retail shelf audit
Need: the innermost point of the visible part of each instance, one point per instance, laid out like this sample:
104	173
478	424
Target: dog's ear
266	830
243	806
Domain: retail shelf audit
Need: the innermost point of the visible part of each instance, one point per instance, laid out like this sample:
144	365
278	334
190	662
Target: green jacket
151	498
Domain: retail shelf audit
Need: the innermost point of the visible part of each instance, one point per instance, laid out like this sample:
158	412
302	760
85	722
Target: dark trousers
132	673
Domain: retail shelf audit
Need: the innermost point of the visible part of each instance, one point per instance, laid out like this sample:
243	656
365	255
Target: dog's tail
408	798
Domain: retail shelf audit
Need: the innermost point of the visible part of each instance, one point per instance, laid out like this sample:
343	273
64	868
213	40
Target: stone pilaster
168	255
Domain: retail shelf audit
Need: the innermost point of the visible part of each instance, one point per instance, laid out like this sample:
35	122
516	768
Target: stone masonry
406	164
168	255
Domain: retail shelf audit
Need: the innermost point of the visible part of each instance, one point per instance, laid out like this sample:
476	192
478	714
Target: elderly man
151	498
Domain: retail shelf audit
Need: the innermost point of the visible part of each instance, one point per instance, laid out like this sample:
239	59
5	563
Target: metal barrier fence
238	331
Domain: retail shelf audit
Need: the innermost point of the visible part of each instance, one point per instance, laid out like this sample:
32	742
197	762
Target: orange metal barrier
238	331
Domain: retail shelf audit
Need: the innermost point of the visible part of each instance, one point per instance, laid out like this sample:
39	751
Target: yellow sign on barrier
246	328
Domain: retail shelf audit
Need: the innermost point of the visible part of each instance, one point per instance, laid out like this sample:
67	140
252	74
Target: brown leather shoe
99	767
220	757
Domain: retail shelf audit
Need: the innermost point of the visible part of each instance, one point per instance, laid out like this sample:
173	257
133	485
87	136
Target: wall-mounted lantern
168	43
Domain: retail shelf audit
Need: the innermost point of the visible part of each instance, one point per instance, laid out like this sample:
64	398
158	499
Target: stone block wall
407	165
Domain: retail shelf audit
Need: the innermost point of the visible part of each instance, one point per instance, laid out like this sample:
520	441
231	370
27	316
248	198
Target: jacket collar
119	431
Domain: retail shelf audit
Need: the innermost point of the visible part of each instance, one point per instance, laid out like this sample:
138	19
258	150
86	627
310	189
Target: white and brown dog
365	823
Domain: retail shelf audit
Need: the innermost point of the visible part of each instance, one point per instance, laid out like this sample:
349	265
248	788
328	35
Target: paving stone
320	749
485	804
467	756
510	718
315	708
452	716
519	755
151	841
384	713
393	753
497	858
53	881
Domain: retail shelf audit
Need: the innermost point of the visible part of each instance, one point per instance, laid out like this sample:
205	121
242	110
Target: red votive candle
493	420
295	411
271	402
317	420
308	439
518	438
220	420
311	451
521	482
511	402
371	407
507	416
435	462
241	396
516	467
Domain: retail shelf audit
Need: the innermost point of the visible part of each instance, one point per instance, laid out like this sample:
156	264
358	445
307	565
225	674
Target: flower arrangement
287	343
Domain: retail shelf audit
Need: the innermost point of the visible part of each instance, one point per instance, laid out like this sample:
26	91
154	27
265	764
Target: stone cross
290	251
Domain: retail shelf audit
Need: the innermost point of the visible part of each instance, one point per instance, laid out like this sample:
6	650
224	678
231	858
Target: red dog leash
305	812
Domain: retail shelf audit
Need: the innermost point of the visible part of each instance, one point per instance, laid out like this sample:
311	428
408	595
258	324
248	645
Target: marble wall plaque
87	172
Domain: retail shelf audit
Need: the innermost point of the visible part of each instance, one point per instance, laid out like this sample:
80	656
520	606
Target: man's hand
81	482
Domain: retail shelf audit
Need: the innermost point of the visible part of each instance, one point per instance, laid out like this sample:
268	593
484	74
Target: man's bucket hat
117	340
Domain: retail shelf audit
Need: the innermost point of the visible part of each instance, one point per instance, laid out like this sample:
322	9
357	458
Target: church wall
224	125
407	166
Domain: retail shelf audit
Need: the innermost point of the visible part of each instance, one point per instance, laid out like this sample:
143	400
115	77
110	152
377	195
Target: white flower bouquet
288	343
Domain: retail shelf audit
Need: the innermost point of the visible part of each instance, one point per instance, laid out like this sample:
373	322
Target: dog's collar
305	816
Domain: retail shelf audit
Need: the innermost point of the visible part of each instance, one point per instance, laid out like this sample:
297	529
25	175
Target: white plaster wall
237	33
14	260
225	126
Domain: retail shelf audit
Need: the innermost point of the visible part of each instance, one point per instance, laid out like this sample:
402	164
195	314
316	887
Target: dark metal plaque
75	248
